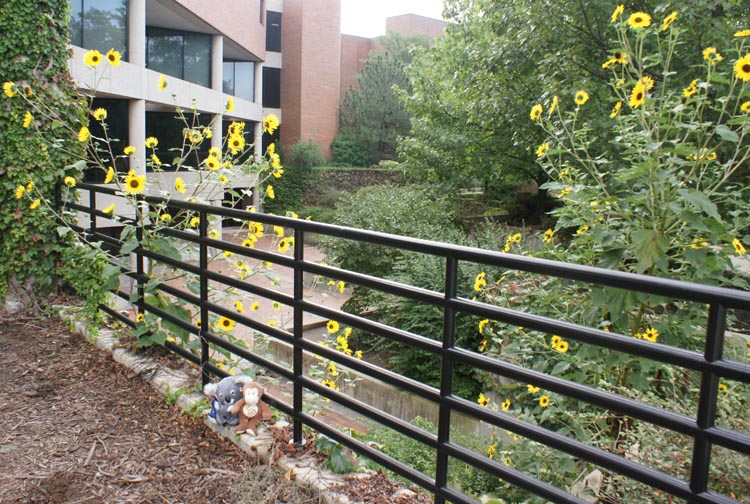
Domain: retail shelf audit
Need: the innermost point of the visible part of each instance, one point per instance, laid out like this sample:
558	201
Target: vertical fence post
299	289
92	209
139	263
709	394
203	263
446	375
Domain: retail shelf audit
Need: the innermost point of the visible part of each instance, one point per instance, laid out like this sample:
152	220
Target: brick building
286	57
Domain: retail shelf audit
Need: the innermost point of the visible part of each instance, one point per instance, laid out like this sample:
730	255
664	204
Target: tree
473	90
372	114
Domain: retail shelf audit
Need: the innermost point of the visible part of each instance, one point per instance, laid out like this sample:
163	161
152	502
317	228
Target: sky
366	18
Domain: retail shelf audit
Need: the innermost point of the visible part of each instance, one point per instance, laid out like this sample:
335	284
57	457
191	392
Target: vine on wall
35	154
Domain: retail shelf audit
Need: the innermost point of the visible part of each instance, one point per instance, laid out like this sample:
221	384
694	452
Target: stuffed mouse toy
250	408
223	396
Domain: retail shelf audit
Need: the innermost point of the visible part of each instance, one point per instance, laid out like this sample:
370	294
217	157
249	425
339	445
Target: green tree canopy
372	113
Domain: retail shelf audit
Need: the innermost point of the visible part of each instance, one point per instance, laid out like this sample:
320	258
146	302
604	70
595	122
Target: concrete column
137	32
258	83
217	58
137	126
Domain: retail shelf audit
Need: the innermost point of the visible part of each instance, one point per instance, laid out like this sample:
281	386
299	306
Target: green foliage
402	210
291	187
371	114
340	459
43	153
350	151
82	269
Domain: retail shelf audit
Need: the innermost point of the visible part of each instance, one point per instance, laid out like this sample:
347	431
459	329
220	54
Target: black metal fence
710	365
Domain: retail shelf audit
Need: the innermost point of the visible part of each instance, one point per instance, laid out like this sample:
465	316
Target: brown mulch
77	427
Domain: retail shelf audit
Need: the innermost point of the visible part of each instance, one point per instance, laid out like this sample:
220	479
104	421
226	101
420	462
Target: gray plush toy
223	395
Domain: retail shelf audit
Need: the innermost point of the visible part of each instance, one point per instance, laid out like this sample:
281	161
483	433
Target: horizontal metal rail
710	364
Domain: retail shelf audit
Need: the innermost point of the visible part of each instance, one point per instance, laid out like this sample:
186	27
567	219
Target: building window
100	25
271	87
239	79
185	55
169	130
117	127
273	31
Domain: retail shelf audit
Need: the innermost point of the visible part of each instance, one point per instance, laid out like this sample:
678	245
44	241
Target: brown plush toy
250	408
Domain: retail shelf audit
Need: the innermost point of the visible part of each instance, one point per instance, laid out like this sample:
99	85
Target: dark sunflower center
618	55
639	96
746	68
638	20
134	184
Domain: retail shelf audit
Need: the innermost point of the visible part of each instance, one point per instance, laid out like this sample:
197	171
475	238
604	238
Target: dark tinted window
100	24
184	55
273	31
272	87
117	132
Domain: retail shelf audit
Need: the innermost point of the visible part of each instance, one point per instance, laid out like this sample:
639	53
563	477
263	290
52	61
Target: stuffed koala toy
250	408
223	396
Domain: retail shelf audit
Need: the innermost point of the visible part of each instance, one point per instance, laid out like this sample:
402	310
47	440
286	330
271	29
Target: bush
292	185
348	151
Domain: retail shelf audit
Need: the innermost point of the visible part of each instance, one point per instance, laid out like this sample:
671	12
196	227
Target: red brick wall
354	50
311	53
412	24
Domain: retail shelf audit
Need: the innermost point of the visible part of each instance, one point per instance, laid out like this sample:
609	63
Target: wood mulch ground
76	427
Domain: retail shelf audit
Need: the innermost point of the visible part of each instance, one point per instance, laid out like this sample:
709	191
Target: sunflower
647	81
544	401
194	136
225	323
536	112
113	57
134	184
742	33
151	142
27	119
20	191
548	235
738	246
691	89
639	20
742	68
483	400
651	335
179	185
270	192
745	107
668	20
711	55
562	347
162	83
581	97
532	389
340	286
553	106
230	104
618	12
542	149
109	209
92	58
638	96
69	181
212	163
100	114
223	179
30	186
83	134
155	159
35	204
620	57
283	246
277	172
332	326
9	89
236	142
139	318
214	234
615	110
270	123
129	150
506	405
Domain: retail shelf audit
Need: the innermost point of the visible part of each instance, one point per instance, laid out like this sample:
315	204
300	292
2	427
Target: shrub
348	151
292	186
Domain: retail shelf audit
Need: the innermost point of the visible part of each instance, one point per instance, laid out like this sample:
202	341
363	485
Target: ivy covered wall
34	151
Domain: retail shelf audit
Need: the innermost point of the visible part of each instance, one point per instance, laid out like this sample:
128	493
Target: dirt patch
79	428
